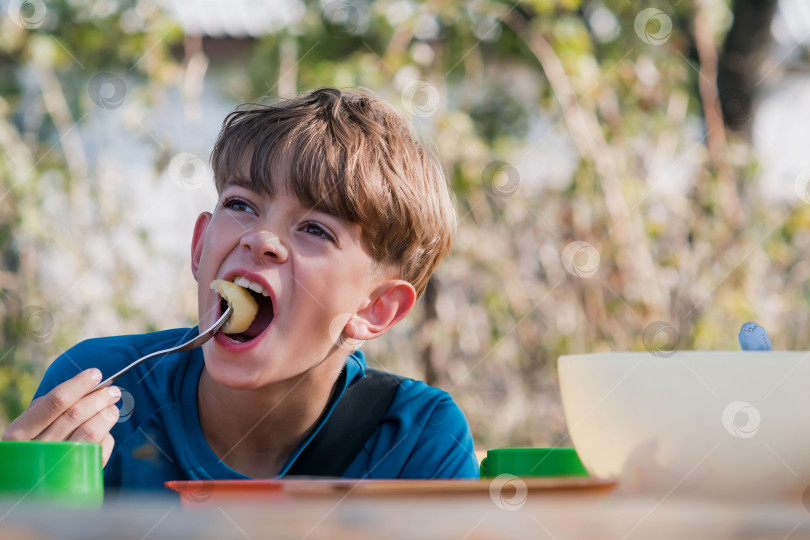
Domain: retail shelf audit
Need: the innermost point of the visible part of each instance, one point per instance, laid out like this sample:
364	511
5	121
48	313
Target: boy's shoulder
424	434
418	403
413	398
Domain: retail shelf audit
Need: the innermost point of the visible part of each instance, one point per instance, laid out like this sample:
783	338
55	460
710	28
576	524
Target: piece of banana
243	304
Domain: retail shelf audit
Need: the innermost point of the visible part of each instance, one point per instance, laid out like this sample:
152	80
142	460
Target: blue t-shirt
158	435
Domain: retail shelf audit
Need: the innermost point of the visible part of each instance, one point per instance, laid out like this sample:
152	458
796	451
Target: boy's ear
197	241
390	302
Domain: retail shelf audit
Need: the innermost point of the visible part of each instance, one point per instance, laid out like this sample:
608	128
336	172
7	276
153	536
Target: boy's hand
69	413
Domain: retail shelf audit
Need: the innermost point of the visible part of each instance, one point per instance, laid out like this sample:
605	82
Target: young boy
334	218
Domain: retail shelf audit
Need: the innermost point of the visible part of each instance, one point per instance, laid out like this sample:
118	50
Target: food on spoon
243	304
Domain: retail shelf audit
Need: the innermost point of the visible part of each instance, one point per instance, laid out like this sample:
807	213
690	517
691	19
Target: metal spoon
187	346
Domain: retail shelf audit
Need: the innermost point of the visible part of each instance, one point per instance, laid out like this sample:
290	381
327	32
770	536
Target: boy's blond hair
351	155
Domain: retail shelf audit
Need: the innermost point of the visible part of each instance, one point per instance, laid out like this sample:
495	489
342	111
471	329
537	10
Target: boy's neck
254	432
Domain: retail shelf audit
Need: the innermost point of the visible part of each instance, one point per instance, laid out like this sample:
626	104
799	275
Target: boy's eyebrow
240	181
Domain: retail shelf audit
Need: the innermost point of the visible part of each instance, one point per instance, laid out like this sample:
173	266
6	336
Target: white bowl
730	423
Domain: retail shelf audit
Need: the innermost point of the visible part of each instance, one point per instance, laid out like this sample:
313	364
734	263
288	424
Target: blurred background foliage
603	203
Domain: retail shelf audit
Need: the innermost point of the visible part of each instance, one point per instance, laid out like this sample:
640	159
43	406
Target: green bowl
532	462
68	473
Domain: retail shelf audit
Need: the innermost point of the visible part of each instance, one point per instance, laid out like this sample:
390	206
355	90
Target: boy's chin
248	378
232	378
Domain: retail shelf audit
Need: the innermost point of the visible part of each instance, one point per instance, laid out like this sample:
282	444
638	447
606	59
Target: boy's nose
264	246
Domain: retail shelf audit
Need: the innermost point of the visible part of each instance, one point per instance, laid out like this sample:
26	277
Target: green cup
67	473
532	462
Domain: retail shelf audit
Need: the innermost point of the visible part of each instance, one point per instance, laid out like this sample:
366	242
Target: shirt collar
355	369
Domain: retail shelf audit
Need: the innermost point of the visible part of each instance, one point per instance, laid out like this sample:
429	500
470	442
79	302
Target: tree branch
729	201
634	258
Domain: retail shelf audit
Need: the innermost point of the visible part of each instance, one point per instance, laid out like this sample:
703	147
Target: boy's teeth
255	287
242	281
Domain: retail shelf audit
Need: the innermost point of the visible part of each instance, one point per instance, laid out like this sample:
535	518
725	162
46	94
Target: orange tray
194	492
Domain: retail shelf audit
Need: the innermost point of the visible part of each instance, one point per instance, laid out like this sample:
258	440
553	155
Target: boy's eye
238	204
316	230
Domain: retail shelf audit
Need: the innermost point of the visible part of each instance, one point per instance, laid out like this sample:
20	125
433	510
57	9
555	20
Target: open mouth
263	317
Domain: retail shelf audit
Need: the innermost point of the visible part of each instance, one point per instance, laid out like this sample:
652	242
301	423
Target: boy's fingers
107	445
46	409
82	412
96	428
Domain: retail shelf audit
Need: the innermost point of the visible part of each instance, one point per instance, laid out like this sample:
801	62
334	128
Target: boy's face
314	271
